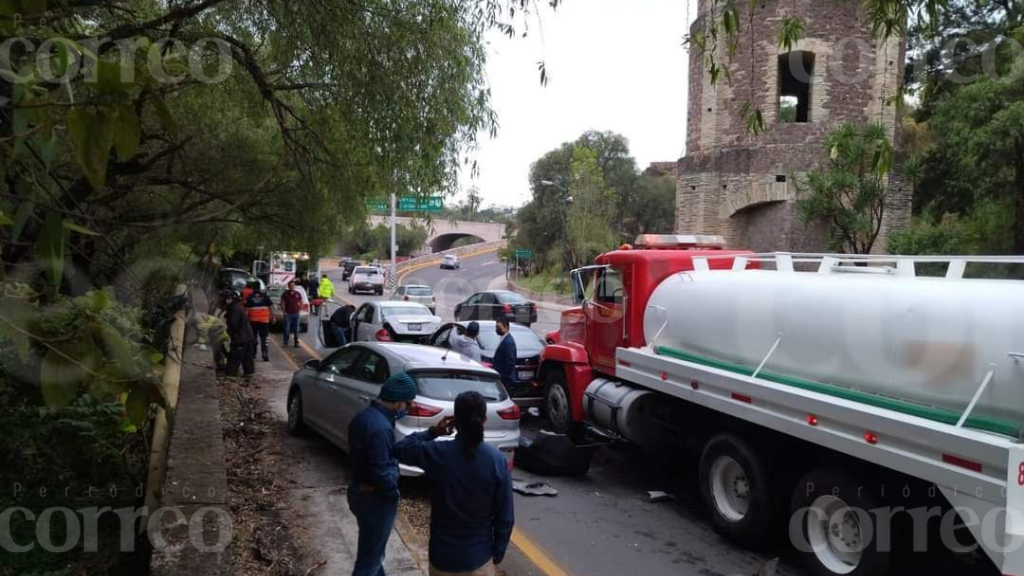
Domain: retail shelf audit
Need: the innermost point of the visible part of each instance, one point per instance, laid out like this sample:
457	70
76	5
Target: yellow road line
309	349
285	354
537	555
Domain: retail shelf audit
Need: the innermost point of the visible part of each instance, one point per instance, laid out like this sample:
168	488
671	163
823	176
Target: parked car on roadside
494	304
325	395
236	279
527	391
418	293
391	321
366	279
275	291
450	262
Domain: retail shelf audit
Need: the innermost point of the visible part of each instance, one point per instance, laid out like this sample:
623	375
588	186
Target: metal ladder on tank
882	264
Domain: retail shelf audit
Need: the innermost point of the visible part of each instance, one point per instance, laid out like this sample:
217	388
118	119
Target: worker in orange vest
258	307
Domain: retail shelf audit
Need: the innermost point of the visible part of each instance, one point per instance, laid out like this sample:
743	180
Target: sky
614	65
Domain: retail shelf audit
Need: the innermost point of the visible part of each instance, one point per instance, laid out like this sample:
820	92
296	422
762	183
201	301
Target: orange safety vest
259	314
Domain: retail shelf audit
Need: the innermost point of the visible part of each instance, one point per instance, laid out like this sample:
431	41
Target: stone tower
737	184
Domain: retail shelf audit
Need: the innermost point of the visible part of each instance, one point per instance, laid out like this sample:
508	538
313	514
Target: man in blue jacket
373	486
505	356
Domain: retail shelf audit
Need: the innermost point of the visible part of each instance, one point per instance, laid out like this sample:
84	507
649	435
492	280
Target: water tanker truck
853	403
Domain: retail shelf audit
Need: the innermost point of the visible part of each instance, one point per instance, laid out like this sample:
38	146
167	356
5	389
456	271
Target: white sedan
394	321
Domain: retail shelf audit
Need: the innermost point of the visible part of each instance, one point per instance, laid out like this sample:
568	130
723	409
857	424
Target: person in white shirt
466	345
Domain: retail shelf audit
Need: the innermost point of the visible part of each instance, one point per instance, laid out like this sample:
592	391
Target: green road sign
409	204
524	253
414	204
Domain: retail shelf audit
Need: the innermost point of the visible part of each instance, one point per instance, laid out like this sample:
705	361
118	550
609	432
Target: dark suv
347	265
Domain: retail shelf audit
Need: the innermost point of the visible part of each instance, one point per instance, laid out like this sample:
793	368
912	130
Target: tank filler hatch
679	242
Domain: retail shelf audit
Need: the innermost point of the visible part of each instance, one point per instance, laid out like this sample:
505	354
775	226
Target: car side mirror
313	364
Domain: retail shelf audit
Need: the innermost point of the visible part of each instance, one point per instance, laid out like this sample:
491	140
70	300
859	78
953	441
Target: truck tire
737	489
296	420
556	401
828	509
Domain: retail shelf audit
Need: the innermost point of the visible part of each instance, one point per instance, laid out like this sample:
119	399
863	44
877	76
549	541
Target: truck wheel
736	487
556	402
296	421
831	525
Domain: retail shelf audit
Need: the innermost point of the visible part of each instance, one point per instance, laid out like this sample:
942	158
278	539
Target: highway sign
409	204
524	253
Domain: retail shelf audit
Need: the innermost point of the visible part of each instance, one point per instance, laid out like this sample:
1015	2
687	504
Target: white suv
366	279
450	261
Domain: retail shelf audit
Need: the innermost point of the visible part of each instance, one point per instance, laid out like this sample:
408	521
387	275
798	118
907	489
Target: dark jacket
471	510
237	321
342	317
505	359
371	441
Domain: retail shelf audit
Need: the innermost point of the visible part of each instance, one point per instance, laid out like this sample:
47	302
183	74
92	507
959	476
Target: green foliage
636	203
849	192
589	231
988	229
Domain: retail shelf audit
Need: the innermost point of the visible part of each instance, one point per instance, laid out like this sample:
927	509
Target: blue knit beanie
399	388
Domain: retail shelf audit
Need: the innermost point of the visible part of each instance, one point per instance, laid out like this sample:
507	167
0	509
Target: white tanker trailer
808	392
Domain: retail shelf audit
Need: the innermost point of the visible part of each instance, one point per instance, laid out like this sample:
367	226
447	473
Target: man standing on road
326	290
311	286
261	316
505	355
291	305
373	487
467	345
471	511
341	321
240	333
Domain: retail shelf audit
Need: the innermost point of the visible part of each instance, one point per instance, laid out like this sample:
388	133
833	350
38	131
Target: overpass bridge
442	234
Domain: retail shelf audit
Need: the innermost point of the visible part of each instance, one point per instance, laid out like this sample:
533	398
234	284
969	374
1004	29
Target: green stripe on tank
943	415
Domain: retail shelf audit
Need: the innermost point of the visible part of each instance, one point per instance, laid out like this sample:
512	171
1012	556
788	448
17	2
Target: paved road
601	524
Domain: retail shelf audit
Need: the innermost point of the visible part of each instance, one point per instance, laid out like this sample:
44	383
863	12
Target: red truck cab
611	298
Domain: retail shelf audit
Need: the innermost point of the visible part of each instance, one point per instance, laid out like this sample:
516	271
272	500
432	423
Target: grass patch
551	282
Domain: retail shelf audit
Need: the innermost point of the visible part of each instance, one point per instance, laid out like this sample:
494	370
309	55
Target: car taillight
382	335
533	307
510	413
507	308
488	364
305	306
418	410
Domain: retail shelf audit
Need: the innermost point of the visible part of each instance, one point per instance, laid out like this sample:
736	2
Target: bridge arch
447	241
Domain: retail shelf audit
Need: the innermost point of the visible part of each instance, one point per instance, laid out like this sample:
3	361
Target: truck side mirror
578	294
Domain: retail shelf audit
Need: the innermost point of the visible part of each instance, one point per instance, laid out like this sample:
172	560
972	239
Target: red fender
573	360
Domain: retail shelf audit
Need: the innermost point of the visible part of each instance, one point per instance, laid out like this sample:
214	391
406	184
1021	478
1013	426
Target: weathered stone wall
740	185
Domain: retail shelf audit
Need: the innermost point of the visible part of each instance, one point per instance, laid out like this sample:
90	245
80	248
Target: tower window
795	72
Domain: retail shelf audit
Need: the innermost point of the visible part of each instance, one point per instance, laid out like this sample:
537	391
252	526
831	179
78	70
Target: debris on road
659	496
534	488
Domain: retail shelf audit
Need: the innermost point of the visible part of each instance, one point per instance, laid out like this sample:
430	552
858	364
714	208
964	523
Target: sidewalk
286	495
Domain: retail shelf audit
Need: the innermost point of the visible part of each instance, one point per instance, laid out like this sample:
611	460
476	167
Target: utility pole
394	255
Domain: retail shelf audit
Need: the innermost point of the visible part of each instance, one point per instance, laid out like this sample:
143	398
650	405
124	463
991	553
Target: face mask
498	331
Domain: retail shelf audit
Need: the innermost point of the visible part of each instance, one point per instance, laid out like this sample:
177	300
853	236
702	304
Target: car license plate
415	327
526	374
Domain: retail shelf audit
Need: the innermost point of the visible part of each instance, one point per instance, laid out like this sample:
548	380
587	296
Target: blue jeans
339	335
291	324
376	518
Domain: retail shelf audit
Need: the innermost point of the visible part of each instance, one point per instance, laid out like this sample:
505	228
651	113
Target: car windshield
367	271
511	298
526	340
389	311
419	291
447	385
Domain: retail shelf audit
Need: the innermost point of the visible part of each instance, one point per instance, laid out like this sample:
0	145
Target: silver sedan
325	395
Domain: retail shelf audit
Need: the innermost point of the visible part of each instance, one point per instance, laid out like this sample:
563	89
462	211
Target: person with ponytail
471	513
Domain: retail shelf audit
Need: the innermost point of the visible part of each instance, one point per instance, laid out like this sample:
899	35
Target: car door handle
364	398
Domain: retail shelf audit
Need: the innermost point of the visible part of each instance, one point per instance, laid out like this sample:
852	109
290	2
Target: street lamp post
565	225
